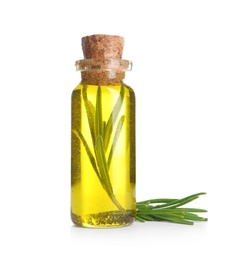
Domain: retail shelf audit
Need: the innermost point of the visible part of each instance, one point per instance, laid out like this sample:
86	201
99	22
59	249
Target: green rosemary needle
169	210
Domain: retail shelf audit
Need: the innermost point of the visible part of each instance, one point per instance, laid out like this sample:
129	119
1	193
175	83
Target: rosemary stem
169	210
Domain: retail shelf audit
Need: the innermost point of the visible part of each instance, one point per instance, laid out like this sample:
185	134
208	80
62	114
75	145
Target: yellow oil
94	108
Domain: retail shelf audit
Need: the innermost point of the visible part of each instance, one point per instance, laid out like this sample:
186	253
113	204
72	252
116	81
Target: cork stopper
101	46
103	63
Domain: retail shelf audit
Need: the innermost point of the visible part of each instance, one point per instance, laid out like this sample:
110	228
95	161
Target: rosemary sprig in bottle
101	132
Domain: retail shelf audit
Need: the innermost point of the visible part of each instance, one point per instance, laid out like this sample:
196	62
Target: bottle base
111	219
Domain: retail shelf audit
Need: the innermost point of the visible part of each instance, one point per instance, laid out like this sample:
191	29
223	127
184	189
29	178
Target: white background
186	79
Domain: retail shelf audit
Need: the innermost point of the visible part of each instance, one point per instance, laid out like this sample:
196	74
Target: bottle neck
103	71
102	77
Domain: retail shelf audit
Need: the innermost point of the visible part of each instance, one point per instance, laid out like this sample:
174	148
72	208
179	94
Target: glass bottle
103	137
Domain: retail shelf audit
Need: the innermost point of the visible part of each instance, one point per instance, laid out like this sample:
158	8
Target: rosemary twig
168	210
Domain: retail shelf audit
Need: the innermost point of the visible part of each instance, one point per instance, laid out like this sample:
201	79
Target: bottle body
103	155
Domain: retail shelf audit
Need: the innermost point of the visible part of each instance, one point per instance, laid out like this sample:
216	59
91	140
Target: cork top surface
102	46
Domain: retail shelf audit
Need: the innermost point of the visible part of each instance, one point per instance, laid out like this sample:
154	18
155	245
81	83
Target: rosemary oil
103	138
